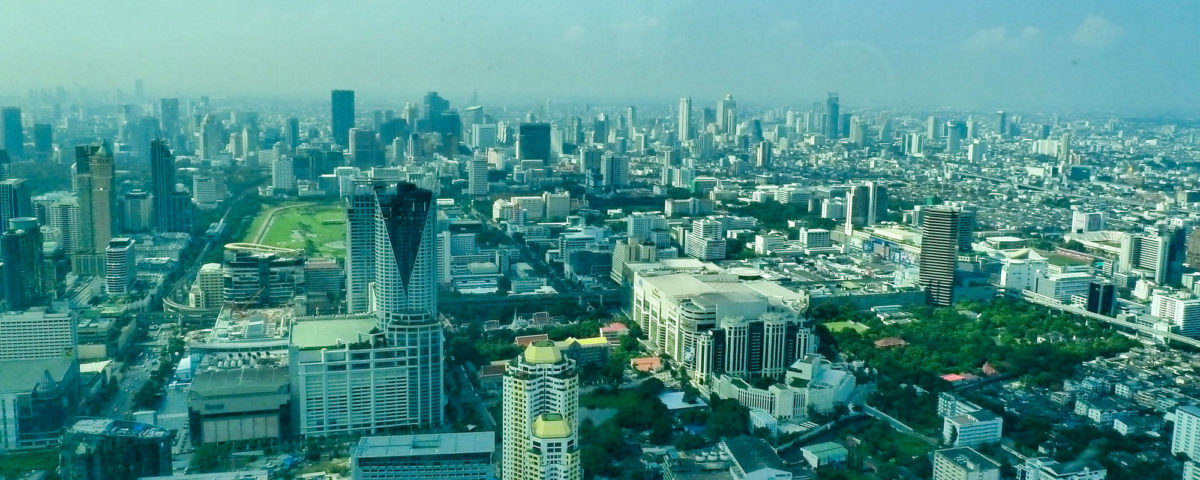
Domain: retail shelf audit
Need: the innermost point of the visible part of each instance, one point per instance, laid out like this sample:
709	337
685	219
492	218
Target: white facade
972	429
36	334
1185	438
541	416
963	464
1183	314
1083	222
120	266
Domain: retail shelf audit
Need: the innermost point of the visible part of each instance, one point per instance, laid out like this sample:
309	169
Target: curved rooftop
542	351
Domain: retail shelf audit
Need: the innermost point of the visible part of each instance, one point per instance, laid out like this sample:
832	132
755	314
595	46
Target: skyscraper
43	141
342	103
1002	123
832	115
120	268
404	295
11	132
433	107
169	117
291	133
14	201
866	205
939	254
533	141
726	115
477	177
162	185
685	119
541	421
21	251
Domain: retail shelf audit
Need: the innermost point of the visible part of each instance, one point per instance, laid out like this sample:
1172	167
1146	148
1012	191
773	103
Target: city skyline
1076	57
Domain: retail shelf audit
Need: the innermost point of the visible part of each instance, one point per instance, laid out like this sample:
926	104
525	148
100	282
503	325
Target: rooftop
331	331
824	449
425	445
753	454
551	425
542	351
118	428
968	459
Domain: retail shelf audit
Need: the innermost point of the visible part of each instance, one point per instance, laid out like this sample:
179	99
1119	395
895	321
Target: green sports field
319	228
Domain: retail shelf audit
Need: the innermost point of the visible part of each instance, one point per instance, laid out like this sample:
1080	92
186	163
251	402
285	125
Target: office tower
433	107
360	246
137	214
1185	439
1102	297
14	200
726	115
939	254
169	117
404	295
1002	123
63	214
630	120
1083	222
365	151
763	154
954	135
21	251
831	116
342	105
971	129
600	129
964	463
5	165
541	421
614	171
37	334
262	276
120	269
43	141
212	134
685	119
483	136
1064	149
106	449
858	131
533	142
866	205
11	133
436	456
477	177
204	191
208	292
283	174
291	133
180	203
94	187
162	184
932	128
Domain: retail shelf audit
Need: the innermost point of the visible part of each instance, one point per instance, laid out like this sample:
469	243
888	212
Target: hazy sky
1073	55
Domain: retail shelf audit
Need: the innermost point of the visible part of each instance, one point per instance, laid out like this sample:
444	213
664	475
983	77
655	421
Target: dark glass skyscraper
833	115
939	254
10	131
169	117
533	141
43	141
342	103
21	251
162	179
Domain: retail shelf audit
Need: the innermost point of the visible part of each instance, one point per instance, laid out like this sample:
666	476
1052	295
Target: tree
689	441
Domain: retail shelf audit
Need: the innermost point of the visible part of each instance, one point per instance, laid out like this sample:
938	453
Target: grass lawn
12	465
295	225
839	326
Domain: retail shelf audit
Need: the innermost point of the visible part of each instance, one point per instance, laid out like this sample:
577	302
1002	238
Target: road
1049	302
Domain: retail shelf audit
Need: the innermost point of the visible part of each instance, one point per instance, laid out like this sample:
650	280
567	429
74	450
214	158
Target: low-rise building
826	454
443	456
963	463
753	459
972	429
1045	468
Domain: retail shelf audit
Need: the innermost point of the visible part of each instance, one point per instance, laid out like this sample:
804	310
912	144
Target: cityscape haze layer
623	240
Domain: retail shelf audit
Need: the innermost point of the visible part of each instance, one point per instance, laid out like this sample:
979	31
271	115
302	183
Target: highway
1049	302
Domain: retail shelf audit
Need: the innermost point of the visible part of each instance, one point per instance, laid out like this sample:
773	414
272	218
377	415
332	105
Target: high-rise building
21	252
14	200
763	154
94	187
541	420
726	115
432	109
1083	222
43	141
262	276
209	289
120	266
1002	123
168	112
477	177
939	254
106	449
404	294
136	216
291	133
866	205
365	150
933	129
1102	298
212	135
11	133
360	246
685	119
162	184
342	104
437	456
614	171
1185	439
831	117
37	334
533	141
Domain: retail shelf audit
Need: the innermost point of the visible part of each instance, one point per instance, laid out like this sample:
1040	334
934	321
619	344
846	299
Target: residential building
963	463
972	429
541	416
1185	438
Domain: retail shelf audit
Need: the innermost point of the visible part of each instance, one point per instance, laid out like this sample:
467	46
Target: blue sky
1070	56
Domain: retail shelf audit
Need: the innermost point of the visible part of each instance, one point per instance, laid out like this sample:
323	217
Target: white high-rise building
1181	313
360	243
541	420
685	119
204	191
726	115
120	266
1083	222
283	177
558	205
1185	438
208	290
37	334
477	177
